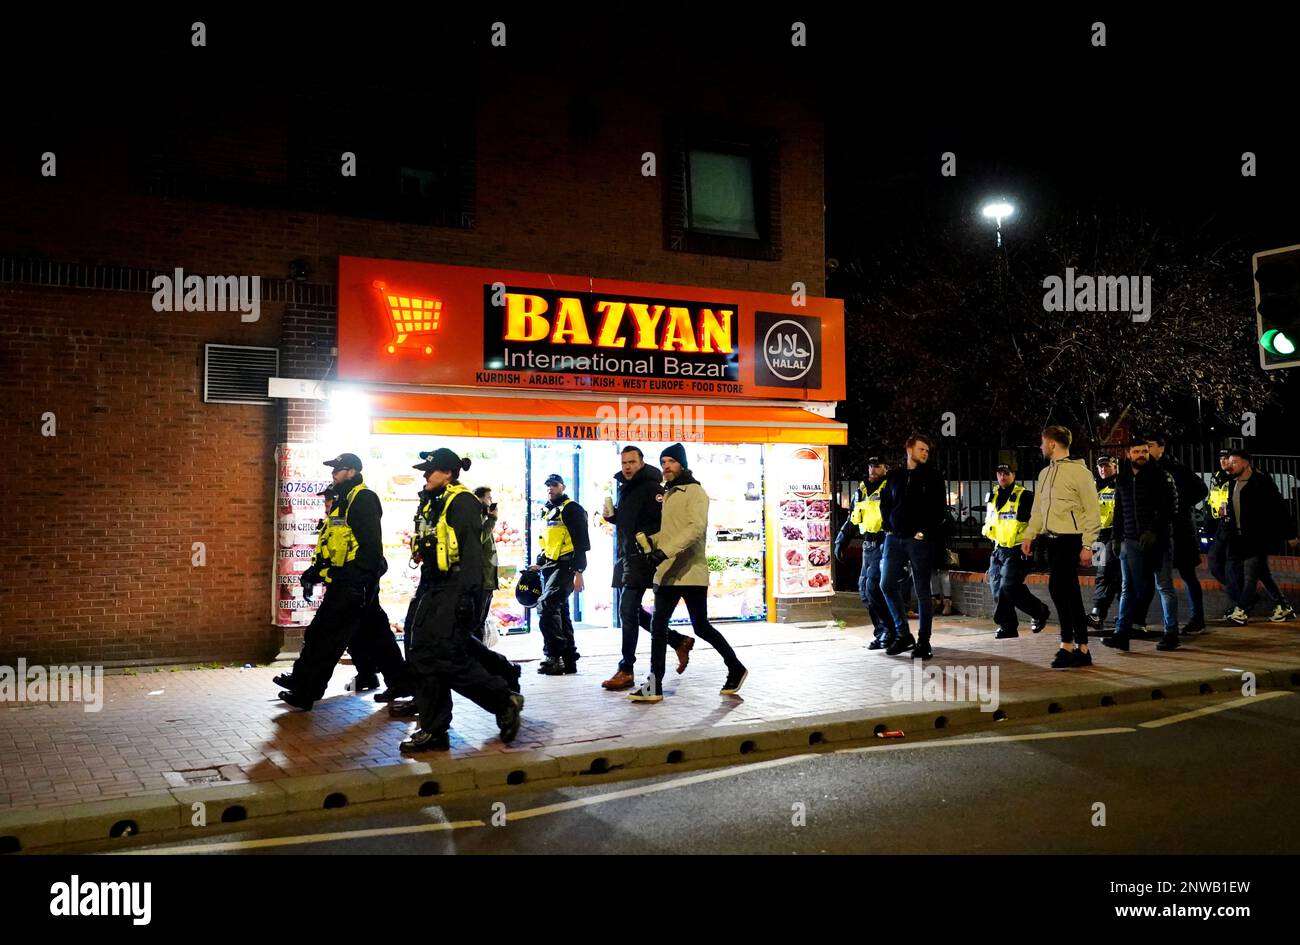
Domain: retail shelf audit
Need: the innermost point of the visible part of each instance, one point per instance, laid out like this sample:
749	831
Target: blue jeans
869	589
1138	573
919	553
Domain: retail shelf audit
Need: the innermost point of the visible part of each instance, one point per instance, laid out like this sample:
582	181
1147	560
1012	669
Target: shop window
722	192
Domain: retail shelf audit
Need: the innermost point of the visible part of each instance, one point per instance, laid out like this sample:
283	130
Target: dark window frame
762	147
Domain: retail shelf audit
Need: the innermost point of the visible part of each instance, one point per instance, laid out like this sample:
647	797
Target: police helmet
529	589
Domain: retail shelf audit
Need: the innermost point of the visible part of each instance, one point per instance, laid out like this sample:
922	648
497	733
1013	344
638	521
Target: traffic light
1277	306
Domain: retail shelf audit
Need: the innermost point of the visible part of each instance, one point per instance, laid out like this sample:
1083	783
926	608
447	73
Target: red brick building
117	466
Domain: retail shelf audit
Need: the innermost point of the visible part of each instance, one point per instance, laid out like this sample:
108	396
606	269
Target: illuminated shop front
530	374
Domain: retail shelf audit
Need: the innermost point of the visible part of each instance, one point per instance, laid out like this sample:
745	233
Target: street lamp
997	211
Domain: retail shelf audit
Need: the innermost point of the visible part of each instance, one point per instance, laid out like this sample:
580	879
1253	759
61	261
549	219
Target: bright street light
998	211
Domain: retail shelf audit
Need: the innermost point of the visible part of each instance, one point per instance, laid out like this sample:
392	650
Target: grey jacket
1065	502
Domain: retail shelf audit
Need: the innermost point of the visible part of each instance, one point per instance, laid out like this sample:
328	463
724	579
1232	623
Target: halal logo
788	350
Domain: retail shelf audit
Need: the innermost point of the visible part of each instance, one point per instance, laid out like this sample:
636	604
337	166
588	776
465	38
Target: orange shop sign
420	323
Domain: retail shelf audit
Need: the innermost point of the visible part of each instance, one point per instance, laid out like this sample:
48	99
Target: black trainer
1040	622
1064	659
1005	634
735	679
363	682
425	741
405	709
1168	642
284	680
1094	620
297	701
1116	641
922	651
877	644
544	667
1195	625
1082	659
901	644
508	718
392	694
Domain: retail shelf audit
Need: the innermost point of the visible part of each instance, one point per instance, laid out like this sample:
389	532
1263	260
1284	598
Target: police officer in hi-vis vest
865	520
446	654
1005	517
1217	506
350	563
1108	577
562	560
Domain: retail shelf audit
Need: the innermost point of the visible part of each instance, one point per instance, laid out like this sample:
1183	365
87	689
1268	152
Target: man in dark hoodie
1185	551
1146	503
446	654
637	508
1257	521
562	560
913	509
352	563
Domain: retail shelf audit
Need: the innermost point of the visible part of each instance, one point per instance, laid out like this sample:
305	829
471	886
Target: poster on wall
799	506
299	511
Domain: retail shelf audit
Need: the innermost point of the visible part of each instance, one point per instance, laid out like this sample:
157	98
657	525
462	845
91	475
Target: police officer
1217	505
1006	515
865	520
1108	574
562	560
353	557
491	564
446	654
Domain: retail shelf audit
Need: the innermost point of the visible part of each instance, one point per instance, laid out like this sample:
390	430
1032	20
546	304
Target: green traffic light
1278	343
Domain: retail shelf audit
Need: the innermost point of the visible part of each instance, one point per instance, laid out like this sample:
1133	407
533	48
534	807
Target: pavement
170	748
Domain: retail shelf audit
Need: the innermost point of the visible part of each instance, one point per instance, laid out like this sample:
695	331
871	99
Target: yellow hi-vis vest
866	508
338	543
1003	525
1106	503
448	553
1218	500
422	534
556	540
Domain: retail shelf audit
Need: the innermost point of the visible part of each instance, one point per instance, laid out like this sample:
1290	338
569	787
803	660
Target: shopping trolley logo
789	352
414	321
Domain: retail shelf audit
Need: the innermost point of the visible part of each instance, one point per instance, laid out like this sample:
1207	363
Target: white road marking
1210	710
303	839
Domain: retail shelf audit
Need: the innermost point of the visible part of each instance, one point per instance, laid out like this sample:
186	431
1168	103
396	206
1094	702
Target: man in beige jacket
1066	519
682	574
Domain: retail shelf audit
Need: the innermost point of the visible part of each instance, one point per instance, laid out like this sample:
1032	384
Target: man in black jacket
1257	520
562	560
350	612
913	508
1186	547
637	508
1146	503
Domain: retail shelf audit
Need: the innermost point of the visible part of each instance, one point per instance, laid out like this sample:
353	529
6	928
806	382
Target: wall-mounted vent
237	374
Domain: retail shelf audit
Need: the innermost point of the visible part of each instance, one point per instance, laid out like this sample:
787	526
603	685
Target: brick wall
101	518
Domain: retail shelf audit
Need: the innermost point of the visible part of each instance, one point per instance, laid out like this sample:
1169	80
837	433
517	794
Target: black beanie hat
677	452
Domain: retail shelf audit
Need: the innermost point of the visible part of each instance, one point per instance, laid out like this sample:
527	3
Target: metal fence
970	476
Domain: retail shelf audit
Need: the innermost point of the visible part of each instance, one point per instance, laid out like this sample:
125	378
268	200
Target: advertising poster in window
799	507
297	517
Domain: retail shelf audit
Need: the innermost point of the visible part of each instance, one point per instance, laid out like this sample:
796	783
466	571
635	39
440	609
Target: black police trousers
348	617
446	655
553	613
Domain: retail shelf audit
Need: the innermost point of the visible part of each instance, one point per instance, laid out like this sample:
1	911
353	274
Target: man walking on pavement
637	508
682	574
1065	519
350	612
1185	550
562	560
446	654
1217	505
1146	503
913	509
865	520
1007	514
1108	579
1258	519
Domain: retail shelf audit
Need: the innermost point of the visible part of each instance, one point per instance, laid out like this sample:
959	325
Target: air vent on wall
237	374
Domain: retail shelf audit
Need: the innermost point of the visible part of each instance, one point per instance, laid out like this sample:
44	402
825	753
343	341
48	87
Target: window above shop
723	191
